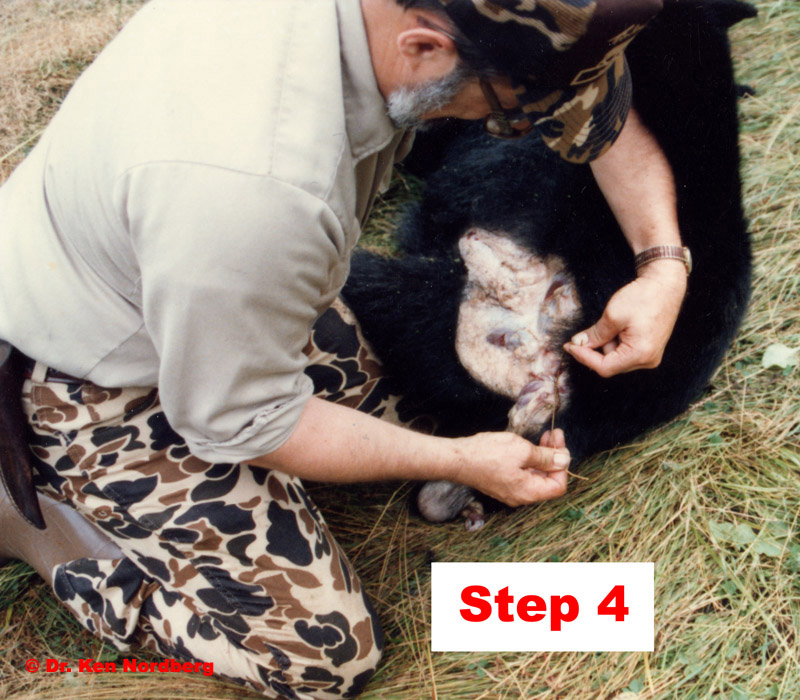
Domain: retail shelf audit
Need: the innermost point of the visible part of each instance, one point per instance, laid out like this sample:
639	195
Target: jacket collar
368	125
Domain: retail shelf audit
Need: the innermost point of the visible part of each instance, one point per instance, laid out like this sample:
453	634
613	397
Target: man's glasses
501	123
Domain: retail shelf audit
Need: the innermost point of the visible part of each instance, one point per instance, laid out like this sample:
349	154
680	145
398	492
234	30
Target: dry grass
43	46
713	498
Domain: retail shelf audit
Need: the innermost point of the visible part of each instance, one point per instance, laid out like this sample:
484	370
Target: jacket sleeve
235	268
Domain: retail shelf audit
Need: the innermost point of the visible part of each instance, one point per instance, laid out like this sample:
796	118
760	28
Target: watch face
687	259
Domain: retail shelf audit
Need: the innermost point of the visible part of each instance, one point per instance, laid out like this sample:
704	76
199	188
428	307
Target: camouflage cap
565	58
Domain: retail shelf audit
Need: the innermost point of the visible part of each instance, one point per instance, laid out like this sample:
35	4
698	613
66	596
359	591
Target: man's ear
427	51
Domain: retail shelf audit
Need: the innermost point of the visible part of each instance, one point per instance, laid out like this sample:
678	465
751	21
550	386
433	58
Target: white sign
542	606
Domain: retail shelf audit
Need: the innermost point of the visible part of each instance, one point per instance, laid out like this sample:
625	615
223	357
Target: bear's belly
512	316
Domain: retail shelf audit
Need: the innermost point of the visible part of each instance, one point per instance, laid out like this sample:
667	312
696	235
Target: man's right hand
336	443
513	470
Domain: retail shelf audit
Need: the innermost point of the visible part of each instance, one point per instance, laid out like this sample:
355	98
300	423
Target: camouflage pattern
583	120
224	563
562	23
566	60
346	370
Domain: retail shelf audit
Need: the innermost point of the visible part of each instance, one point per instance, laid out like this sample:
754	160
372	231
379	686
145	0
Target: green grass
713	498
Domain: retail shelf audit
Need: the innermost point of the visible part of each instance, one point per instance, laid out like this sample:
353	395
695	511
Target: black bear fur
685	93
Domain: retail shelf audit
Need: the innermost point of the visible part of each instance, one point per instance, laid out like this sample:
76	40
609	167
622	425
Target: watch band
665	252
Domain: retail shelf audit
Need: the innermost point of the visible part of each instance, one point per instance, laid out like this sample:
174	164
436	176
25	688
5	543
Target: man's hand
336	443
636	324
513	470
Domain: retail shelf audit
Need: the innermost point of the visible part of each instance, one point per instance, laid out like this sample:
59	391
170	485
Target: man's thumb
597	335
547	459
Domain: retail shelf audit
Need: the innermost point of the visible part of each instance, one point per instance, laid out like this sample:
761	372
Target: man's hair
472	59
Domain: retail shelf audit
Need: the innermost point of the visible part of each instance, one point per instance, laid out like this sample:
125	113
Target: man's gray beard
408	104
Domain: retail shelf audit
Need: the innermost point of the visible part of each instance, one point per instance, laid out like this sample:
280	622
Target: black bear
511	250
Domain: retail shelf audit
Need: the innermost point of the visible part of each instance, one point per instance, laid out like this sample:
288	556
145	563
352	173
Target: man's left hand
636	324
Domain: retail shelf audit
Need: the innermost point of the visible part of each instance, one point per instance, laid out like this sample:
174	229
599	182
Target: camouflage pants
224	563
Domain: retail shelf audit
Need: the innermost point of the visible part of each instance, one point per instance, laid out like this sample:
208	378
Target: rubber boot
68	536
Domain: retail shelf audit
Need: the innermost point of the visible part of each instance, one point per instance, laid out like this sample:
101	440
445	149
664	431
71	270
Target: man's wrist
671	274
458	465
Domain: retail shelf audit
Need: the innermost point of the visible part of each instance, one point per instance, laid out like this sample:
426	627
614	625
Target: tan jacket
192	208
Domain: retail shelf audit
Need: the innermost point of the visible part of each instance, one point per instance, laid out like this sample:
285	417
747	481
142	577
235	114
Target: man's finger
556	439
545	459
610	347
602	332
605	365
550	485
586	356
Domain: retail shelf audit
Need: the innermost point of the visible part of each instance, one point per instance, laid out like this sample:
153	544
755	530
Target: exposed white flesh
513	302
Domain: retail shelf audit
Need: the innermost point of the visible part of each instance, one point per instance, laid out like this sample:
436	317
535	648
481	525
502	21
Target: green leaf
743	534
739	535
781	356
721	531
574	514
769	548
794	557
636	686
669	465
779	528
715	439
739	693
478	667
